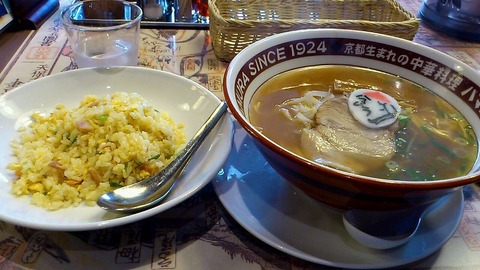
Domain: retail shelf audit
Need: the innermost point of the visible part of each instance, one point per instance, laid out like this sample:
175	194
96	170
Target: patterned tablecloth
198	233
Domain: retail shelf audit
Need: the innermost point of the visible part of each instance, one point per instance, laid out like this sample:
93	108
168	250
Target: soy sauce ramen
433	140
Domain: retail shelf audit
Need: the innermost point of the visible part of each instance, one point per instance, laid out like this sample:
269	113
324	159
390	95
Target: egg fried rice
70	157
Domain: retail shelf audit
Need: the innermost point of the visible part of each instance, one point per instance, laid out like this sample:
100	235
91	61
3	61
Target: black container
457	18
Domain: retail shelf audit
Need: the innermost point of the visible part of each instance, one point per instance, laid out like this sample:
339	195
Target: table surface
206	236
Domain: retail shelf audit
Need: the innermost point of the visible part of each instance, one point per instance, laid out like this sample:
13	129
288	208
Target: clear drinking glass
154	10
103	33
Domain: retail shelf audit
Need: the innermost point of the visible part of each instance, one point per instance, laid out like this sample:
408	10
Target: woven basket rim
230	35
318	22
410	17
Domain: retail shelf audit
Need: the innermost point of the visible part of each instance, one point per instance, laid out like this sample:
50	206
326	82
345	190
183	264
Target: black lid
446	17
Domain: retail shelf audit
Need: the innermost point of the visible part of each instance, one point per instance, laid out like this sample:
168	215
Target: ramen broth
434	141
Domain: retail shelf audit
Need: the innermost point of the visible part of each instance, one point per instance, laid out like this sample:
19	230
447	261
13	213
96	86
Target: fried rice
73	156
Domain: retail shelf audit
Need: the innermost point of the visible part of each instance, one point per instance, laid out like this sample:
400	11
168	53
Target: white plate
185	101
280	215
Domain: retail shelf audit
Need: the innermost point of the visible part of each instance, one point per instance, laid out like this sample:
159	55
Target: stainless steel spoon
150	192
385	229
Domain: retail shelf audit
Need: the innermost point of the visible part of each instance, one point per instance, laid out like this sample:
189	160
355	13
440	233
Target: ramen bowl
450	81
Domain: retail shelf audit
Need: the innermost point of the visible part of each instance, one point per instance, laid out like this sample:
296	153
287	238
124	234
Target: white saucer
280	215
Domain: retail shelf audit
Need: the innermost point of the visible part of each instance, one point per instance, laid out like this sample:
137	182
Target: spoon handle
164	180
151	191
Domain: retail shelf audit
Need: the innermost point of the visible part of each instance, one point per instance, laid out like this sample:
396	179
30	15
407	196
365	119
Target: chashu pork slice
340	141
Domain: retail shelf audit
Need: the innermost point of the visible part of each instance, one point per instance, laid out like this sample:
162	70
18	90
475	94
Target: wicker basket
235	24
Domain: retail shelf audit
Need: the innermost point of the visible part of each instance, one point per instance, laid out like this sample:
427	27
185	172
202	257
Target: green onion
441	113
464	168
415	175
437	144
103	118
403	121
443	148
74	140
155	157
455	116
115	185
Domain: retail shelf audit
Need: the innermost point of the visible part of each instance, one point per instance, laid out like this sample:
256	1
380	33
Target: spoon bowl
385	229
150	192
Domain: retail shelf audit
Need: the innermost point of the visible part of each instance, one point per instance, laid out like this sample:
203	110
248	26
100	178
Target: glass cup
153	10
103	33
